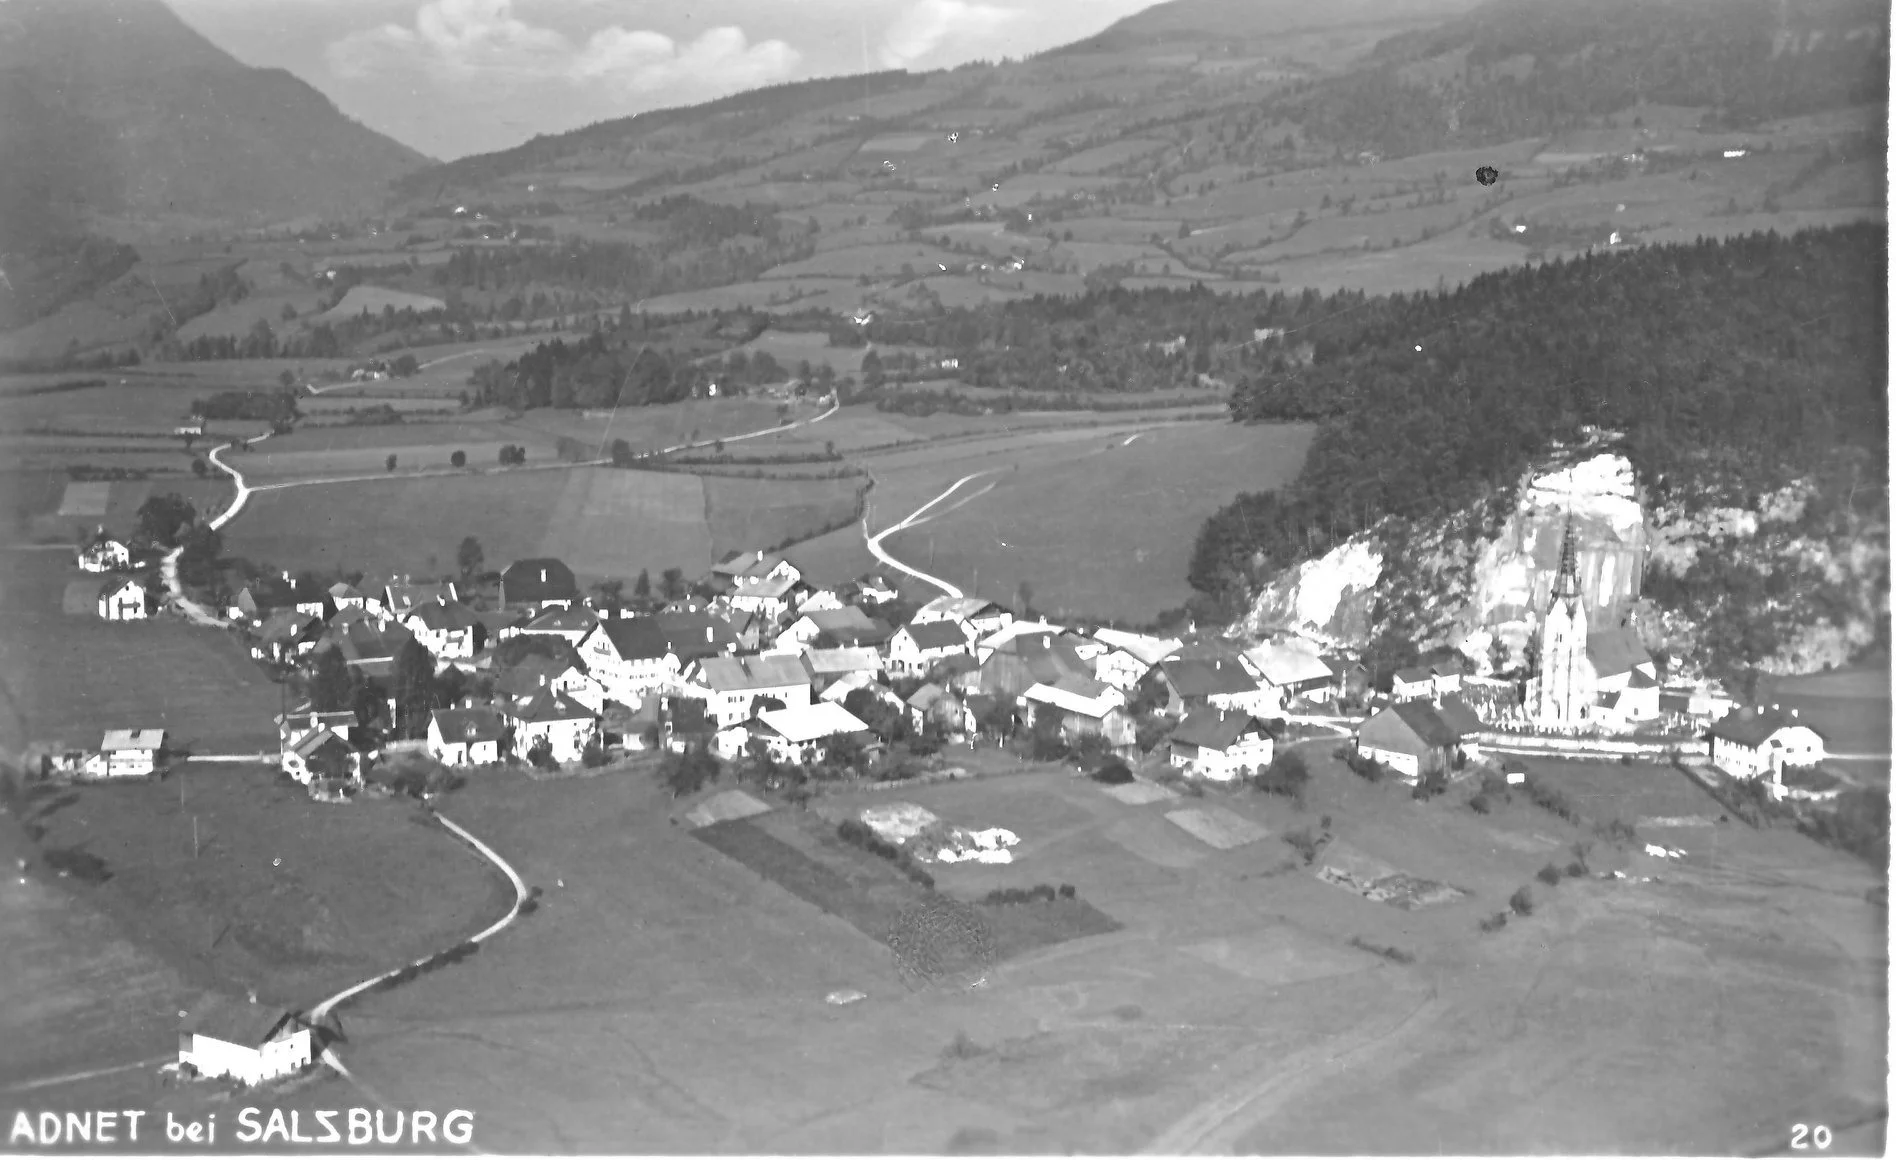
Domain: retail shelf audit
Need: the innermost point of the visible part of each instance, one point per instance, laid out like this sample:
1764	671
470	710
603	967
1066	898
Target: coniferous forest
1739	363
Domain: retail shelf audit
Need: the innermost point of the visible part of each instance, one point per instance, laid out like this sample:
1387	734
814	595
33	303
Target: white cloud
928	25
721	60
460	36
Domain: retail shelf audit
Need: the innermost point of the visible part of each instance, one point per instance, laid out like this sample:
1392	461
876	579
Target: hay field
315	452
875	260
748	514
374	299
609	523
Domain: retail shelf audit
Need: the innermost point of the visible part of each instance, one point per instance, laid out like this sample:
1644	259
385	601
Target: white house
768	597
322	754
1292	671
400	597
730	685
1416	683
1758	742
1220	744
986	644
127	753
932	703
445	627
1216	682
1130	655
569	624
820	600
916	646
792	736
465	736
537	672
981	616
874	590
124	599
563	723
343	595
1085	707
104	555
252	1045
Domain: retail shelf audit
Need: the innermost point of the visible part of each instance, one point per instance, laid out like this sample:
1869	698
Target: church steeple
1567	579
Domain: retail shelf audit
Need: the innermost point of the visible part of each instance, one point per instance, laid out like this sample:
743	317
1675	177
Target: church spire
1567	580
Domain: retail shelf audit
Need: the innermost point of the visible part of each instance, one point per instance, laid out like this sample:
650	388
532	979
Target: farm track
874	543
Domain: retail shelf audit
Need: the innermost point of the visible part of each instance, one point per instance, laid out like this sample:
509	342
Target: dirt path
191	608
874	543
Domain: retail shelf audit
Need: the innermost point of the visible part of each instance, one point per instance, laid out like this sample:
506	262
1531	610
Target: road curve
169	568
874	542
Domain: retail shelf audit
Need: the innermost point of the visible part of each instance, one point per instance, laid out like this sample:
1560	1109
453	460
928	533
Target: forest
1732	366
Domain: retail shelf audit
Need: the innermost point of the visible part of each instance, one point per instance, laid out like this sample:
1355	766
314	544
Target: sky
454	77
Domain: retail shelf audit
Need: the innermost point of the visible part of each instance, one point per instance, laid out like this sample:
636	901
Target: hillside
117	108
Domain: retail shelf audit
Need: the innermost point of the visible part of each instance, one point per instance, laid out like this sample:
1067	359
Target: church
1587	679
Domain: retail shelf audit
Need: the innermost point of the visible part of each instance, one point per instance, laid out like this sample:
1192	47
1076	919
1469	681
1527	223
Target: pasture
48	507
1098	526
747	514
69	678
329	451
376	299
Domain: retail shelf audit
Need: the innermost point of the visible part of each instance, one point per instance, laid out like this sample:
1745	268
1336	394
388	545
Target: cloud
721	60
931	24
464	40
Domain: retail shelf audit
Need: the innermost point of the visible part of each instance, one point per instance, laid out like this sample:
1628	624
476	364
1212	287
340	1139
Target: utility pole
194	837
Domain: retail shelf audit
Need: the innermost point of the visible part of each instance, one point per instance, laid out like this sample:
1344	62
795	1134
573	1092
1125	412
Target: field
1041	519
751	514
316	453
1850	708
374	300
47	507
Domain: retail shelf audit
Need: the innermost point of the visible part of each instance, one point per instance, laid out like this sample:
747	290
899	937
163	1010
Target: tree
286	378
330	688
199	468
688	772
611	594
642	587
996	718
469	556
672	583
540	753
414	689
162	518
404	366
1287	774
458	459
1049	740
197	563
1024	599
390	462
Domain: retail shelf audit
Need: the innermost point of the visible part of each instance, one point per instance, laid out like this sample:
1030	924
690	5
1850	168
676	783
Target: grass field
47	507
747	514
317	452
70	678
375	299
1101	528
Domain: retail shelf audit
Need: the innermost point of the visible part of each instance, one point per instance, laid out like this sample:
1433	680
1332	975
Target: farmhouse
933	705
537	672
751	566
1751	742
284	635
794	736
1129	656
322	754
571	624
632	658
294	726
1417	682
104	555
768	597
400	598
343	595
1087	708
128	753
1410	737
915	647
1292	671
1217	682
983	616
987	644
446	628
545	715
369	649
538	583
817	599
730	686
250	1044
465	736
126	598
873	590
846	626
1220	744
1037	659
826	666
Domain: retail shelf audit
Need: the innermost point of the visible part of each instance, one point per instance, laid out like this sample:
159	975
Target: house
683	722
126	598
959	673
730	686
1617	656
793	736
1085	707
128	753
368	648
546	715
1217	682
826	666
849	627
768	597
1221	744
537	672
726	577
292	727
104	555
1635	702
1352	679
446	628
322	754
915	647
986	644
699	634
539	583
399	598
933	705
818	599
285	635
1292	671
1129	656
249	1043
469	736
343	595
839	689
634	658
1461	717
983	616
571	624
1410	737
874	590
1028	660
1753	741
1415	683
499	624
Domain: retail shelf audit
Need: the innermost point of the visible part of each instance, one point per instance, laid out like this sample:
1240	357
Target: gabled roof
341	590
1614	651
1457	714
1149	650
771	588
1425	723
812	722
1752	727
1077	694
926	696
1415	674
114	586
444	617
1283	665
1003	638
1216	729
124	739
578	618
283	625
531	675
1641	681
546	705
828	661
753	564
404	596
837	621
937	634
735	674
468	725
697	634
959	608
536	579
1204	678
318	740
244	1024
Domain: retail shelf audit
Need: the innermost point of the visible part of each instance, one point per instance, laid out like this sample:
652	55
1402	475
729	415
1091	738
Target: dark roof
1616	650
578	618
1414	674
403	597
546	705
1674	702
937	634
1751	727
1641	681
1216	729
679	633
445	616
477	724
1459	716
1203	678
537	579
530	675
245	1024
1426	723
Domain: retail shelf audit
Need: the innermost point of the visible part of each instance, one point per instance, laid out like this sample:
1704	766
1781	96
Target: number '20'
1805	1136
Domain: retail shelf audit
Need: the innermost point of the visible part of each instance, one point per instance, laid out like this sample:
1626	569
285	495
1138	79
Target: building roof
1205	678
1641	681
458	726
1415	674
926	696
443	616
302	718
959	608
748	565
342	590
846	622
1752	726
1614	651
404	596
1283	664
697	634
735	674
812	722
1078	694
1427	724
1457	714
117	740
578	619
1216	729
321	739
546	705
766	588
1149	650
827	661
530	675
244	1024
1002	638
538	578
937	634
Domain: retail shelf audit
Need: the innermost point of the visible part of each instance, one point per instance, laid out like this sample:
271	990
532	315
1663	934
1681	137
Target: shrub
1618	830
1301	841
1576	870
1286	775
1114	772
1393	954
1494	784
961	1047
1549	874
1364	767
1494	922
1522	901
1479	803
1552	800
1067	891
458	459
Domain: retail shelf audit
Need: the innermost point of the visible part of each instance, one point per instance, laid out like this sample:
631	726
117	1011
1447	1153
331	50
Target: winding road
919	515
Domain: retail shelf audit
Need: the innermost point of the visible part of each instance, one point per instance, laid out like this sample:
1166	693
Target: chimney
543	575
312	720
543	680
709	637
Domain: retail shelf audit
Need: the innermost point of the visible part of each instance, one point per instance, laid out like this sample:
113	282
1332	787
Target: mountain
118	108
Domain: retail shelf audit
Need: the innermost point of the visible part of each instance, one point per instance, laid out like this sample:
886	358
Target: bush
1494	922
1553	801
458	459
1114	772
1286	775
1365	768
1301	841
1494	784
1549	874
1393	954
1067	891
1576	870
1522	902
1618	830
1479	803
